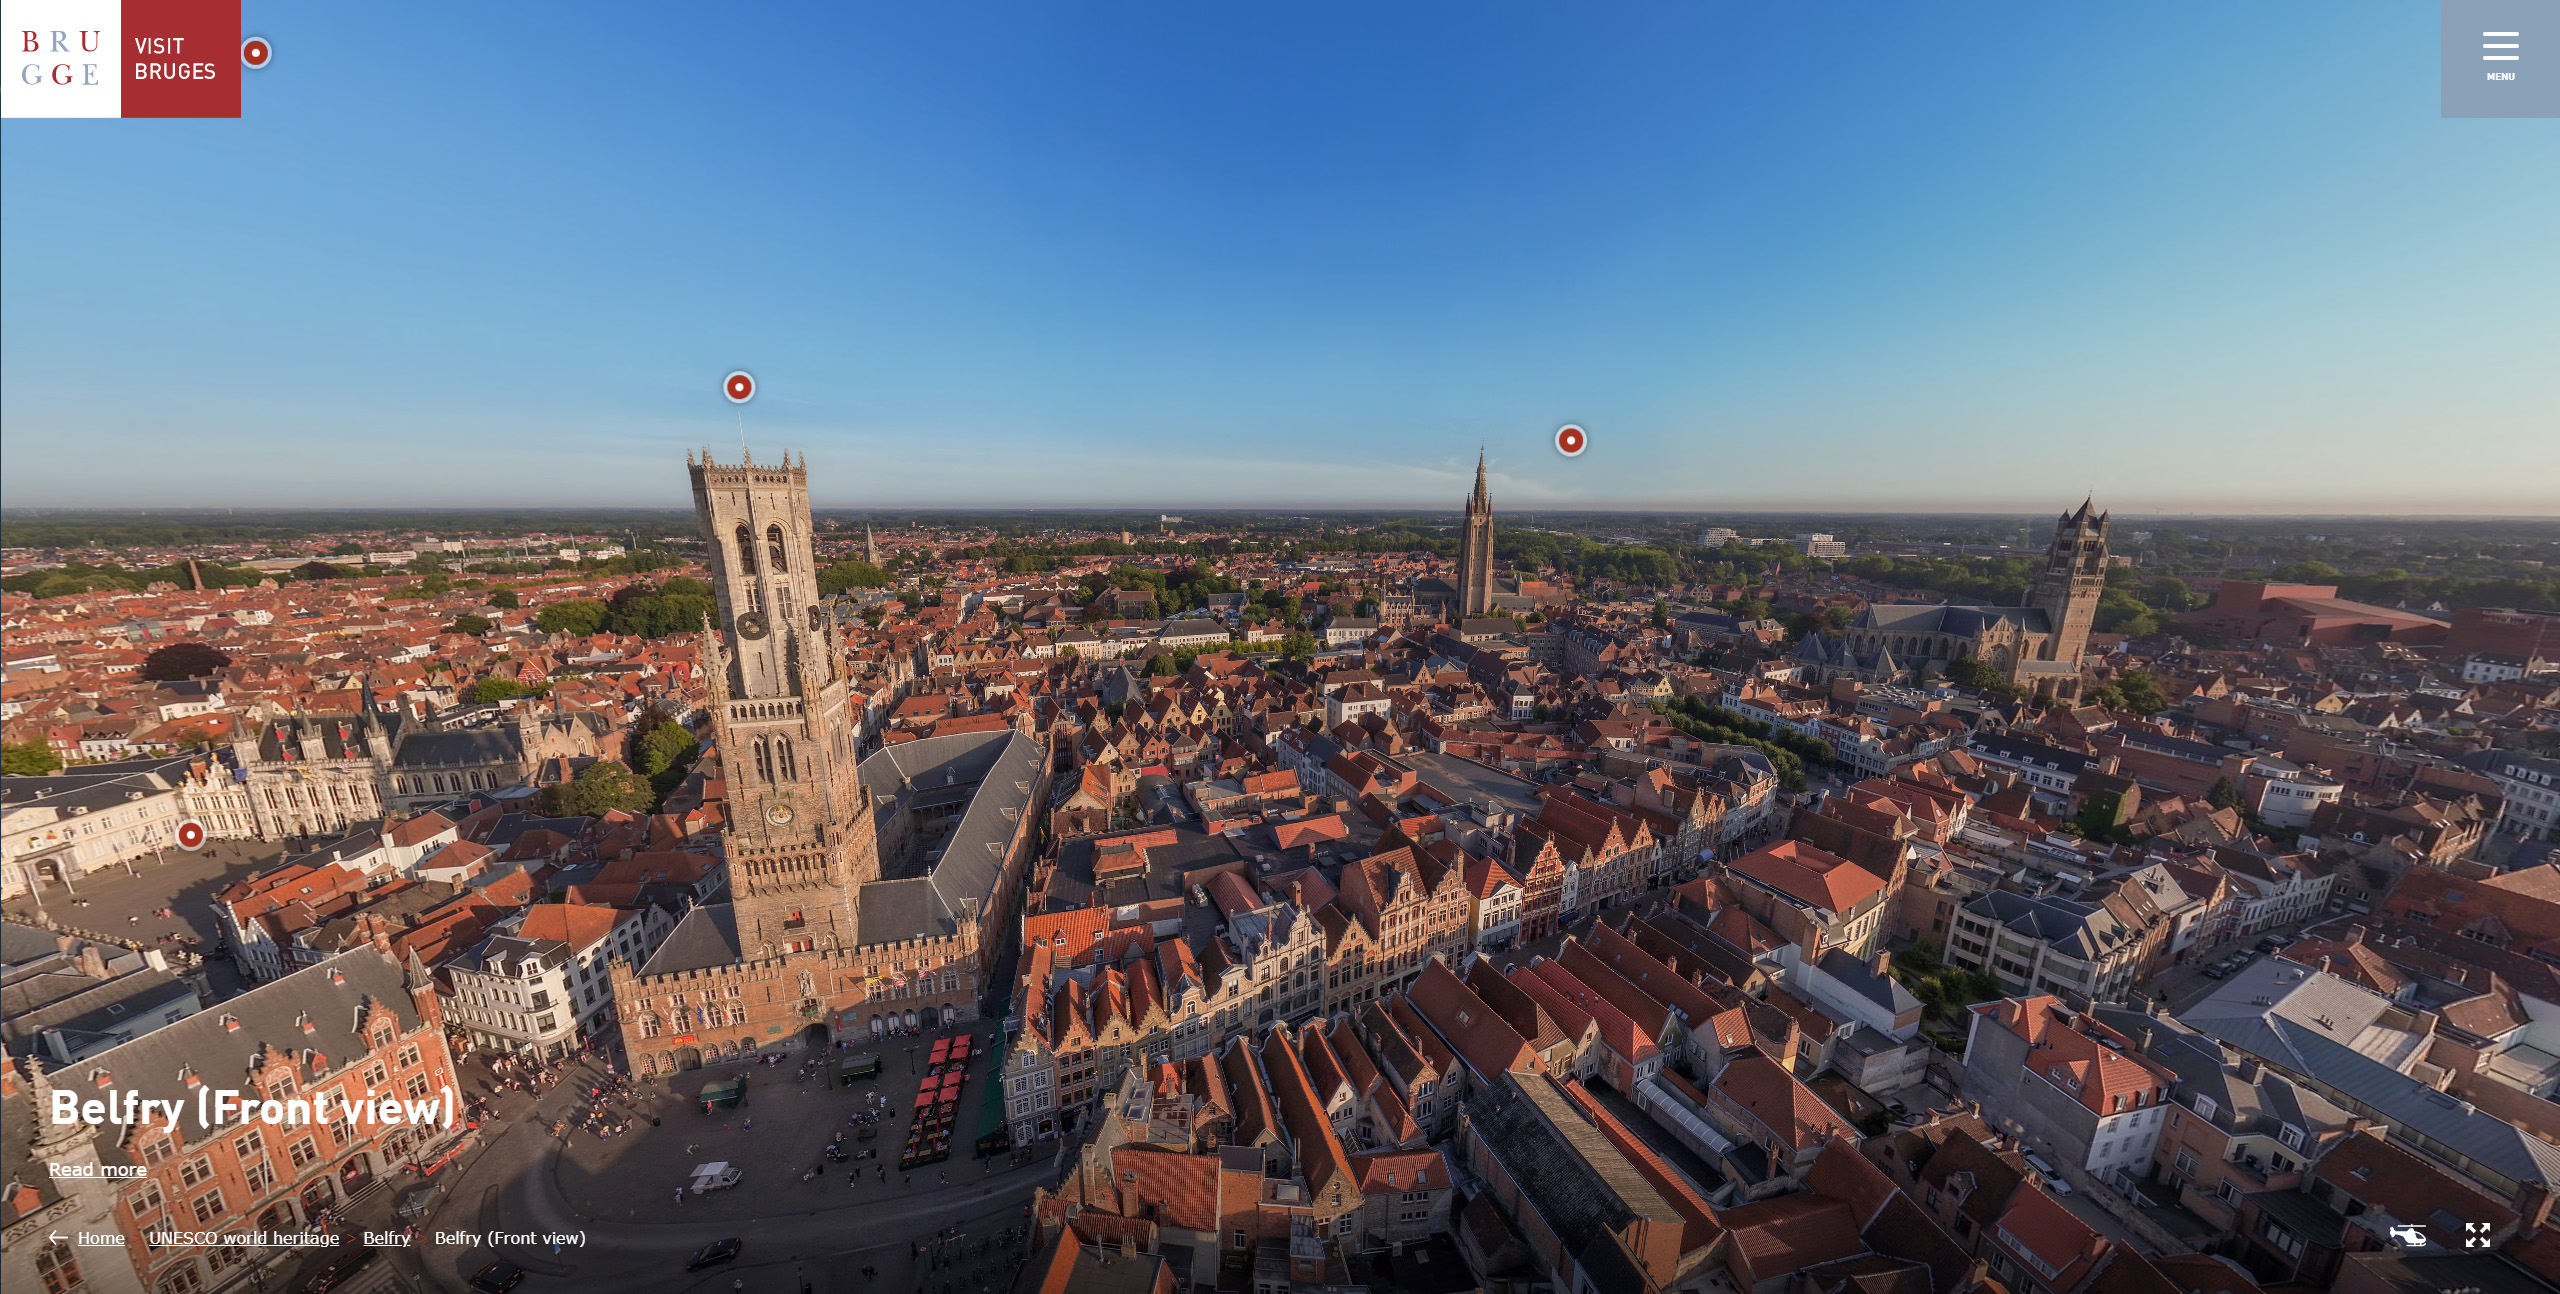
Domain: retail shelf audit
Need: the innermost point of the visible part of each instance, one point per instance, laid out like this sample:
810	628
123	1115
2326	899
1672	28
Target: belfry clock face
779	815
752	625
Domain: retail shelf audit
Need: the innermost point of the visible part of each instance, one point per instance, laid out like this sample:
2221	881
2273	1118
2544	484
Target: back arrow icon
56	1237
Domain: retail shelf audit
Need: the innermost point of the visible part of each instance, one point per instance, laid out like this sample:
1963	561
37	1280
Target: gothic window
58	1267
788	762
746	550
764	761
773	544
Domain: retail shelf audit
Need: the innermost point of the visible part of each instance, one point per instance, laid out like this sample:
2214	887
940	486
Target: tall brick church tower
1475	552
2075	573
801	839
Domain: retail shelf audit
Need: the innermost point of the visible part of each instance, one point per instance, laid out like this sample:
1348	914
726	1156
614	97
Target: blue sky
1855	256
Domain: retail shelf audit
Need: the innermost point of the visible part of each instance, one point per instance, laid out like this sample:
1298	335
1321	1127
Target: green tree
474	625
580	616
493	689
183	660
2223	795
678	606
1299	645
2098	818
662	751
2170	595
1979	676
504	599
28	759
2141	692
2308	573
852	574
1661	613
348	549
598	789
316	571
2120	612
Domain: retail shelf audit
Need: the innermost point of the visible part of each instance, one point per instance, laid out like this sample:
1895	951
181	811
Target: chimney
2534	1200
93	963
1976	1276
1883	962
2248	1069
2355	935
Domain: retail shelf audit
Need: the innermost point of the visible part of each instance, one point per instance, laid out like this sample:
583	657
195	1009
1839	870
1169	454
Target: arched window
58	1267
746	550
764	761
786	762
773	543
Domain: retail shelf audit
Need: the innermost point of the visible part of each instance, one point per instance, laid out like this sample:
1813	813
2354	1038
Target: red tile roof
1810	875
1786	1107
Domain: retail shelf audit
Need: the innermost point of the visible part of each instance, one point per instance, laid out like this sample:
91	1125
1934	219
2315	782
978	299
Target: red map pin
740	387
1570	440
191	835
255	52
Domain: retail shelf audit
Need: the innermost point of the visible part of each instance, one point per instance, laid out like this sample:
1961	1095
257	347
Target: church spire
1481	501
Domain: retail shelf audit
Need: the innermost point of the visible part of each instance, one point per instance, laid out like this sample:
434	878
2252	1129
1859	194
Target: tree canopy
851	574
598	789
576	616
678	606
493	689
183	660
662	751
28	759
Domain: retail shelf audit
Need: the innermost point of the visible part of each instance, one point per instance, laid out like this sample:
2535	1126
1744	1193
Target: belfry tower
1475	552
2075	573
801	839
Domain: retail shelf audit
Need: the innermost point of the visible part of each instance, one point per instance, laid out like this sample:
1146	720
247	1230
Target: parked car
715	1253
2215	971
2046	1173
497	1277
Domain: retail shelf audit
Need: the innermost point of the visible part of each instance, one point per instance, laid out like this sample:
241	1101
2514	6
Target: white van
717	1176
2045	1172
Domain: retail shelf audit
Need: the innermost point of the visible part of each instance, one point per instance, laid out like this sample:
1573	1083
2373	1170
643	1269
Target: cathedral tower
801	840
1475	553
2075	573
